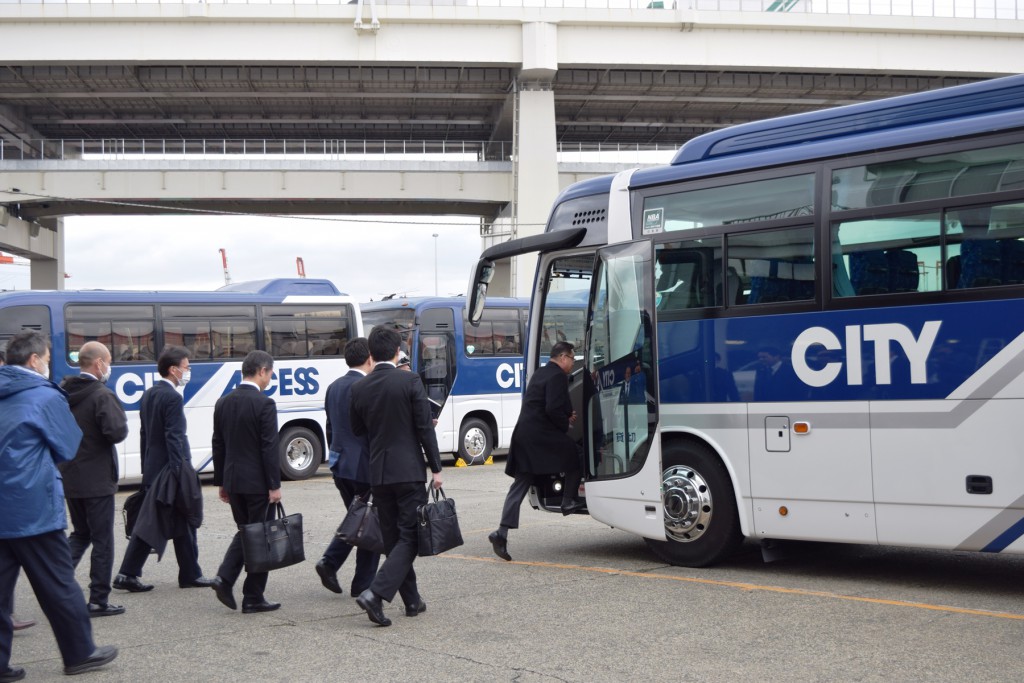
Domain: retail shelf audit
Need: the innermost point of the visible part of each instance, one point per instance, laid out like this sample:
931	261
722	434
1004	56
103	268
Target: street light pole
435	264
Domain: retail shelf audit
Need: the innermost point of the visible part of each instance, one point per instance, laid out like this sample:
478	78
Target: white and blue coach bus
303	323
810	327
472	373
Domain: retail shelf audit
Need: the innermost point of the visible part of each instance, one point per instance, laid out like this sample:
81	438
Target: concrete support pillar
42	243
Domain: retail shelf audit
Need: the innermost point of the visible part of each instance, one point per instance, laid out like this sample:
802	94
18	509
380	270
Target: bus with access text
303	323
473	373
809	327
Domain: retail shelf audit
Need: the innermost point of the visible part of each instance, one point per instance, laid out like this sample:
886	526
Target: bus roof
267	294
282	286
892	122
420	302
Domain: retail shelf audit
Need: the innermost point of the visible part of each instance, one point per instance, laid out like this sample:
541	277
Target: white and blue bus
473	373
810	327
303	323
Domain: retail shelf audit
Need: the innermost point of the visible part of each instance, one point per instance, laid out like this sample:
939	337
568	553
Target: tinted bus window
127	330
18	319
301	331
402	320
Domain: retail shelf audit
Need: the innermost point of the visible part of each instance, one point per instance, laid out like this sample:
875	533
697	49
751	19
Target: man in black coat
163	443
541	443
245	467
350	465
90	480
391	408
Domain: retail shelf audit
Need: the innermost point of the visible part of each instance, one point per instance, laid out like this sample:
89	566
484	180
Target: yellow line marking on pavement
748	587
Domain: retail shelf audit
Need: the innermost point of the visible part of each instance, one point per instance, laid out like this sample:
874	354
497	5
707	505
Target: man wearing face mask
165	453
37	432
90	480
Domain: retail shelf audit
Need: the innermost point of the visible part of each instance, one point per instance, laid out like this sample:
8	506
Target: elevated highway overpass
513	82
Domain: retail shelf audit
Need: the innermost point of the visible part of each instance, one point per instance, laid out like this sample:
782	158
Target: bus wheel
701	521
301	453
475	441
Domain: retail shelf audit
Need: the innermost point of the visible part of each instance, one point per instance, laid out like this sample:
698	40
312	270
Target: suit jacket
540	441
390	407
353	451
163	439
245	458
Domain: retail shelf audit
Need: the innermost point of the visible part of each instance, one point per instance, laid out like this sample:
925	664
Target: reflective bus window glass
984	246
133	341
208	311
233	339
78	333
285	338
507	339
17	319
774	265
886	255
689	275
761	200
400	319
480	339
193	335
956	174
326	337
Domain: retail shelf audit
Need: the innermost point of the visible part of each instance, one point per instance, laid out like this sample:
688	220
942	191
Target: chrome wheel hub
688	504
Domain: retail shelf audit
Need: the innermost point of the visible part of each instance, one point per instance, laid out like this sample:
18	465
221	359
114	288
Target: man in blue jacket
37	431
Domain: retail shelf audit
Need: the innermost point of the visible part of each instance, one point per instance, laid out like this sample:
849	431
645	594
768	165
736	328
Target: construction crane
300	267
224	261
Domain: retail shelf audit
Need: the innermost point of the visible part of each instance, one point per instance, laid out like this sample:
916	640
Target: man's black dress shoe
201	582
13	673
328	578
130	584
99	657
106	610
223	592
419	608
500	545
254	607
369	601
575	506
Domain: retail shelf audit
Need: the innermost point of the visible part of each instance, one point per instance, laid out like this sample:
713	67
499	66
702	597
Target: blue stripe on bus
1006	538
205	463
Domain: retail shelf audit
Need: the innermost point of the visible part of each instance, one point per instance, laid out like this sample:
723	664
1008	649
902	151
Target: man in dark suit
245	467
90	480
164	443
541	443
350	464
391	408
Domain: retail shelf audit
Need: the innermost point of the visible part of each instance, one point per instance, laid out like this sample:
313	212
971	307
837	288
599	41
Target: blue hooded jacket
37	430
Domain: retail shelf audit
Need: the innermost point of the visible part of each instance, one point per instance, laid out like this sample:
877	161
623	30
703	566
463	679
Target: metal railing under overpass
960	9
127	149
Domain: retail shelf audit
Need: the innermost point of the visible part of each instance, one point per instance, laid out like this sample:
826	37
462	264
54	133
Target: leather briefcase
130	511
361	526
438	525
273	544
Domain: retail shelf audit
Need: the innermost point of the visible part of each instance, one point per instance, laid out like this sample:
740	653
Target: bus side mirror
482	274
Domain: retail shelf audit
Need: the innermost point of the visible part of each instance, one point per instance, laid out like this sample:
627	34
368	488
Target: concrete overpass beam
41	242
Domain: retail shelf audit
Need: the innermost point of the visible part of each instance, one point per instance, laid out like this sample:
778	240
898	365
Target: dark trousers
397	505
521	486
46	559
92	523
337	552
186	551
246	508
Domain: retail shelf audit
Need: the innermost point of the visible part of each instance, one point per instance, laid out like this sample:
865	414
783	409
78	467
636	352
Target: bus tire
301	453
702	523
475	441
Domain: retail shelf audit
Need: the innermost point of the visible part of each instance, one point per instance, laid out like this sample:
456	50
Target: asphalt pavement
580	602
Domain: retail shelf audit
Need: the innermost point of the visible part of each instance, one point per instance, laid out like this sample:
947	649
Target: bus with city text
303	323
473	373
809	328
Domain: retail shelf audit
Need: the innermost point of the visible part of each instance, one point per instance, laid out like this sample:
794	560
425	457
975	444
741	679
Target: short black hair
23	345
357	352
170	357
384	343
562	347
256	361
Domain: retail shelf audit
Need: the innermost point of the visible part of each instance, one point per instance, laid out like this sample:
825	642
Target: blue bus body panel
932	369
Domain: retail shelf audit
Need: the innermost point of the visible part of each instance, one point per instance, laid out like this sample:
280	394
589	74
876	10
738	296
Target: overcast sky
365	256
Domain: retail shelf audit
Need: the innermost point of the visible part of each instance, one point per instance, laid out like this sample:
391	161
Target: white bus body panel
632	503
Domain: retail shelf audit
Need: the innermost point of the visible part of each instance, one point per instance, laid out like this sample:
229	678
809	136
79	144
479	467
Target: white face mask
45	372
106	374
185	377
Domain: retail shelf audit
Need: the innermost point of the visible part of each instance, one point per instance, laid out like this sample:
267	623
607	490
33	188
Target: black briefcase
438	525
361	526
273	544
130	511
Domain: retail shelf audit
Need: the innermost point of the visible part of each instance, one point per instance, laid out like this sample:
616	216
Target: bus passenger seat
980	264
1012	252
904	275
869	272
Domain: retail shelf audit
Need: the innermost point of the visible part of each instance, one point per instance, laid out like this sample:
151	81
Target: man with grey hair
246	468
37	431
90	480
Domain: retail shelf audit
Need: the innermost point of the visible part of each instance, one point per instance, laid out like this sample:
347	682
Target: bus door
622	446
436	367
